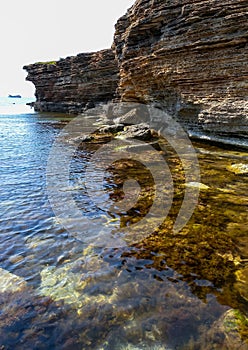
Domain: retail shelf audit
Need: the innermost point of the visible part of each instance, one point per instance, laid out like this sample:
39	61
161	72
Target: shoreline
199	77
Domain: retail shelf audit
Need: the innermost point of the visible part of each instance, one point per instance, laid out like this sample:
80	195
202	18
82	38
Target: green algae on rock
234	325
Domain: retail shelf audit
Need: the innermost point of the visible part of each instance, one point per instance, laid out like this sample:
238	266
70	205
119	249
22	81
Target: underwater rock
199	185
242	282
14	259
10	282
238	168
230	327
39	242
63	284
226	333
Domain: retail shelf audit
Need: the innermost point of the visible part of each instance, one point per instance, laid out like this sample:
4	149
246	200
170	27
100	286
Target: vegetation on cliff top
48	62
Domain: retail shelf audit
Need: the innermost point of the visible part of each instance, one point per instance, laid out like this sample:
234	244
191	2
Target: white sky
46	30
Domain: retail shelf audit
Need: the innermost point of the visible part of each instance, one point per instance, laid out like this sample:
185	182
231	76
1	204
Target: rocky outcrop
190	58
72	84
187	57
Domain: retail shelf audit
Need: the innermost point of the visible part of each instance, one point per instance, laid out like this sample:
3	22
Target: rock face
187	57
71	84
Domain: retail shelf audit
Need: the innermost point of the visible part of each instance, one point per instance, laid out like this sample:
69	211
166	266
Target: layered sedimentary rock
71	84
191	58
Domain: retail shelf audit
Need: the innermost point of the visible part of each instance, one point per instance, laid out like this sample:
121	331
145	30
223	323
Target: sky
33	31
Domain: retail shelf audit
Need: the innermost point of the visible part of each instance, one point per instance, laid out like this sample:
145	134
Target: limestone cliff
190	57
71	84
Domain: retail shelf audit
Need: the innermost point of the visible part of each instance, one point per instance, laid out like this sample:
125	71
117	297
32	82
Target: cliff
72	84
191	58
188	57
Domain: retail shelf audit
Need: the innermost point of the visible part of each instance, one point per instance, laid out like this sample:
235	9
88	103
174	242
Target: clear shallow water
165	292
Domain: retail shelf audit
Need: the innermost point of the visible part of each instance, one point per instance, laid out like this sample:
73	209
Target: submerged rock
199	185
242	282
66	284
239	168
61	284
230	328
10	282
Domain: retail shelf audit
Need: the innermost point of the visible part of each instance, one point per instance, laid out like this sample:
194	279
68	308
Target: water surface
167	291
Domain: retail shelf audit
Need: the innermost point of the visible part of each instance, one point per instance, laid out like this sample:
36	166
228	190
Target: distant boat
14	96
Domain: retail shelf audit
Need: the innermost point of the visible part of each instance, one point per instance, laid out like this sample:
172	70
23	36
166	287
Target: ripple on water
166	292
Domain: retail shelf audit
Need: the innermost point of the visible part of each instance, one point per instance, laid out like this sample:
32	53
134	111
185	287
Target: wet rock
134	116
113	129
228	331
81	138
140	131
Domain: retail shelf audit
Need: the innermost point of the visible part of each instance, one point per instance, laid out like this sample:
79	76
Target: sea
15	105
73	272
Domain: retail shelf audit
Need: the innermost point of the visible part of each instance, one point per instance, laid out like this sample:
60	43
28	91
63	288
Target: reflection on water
167	291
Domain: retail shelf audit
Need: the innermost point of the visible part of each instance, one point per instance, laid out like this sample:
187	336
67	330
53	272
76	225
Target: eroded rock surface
190	57
187	57
72	84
